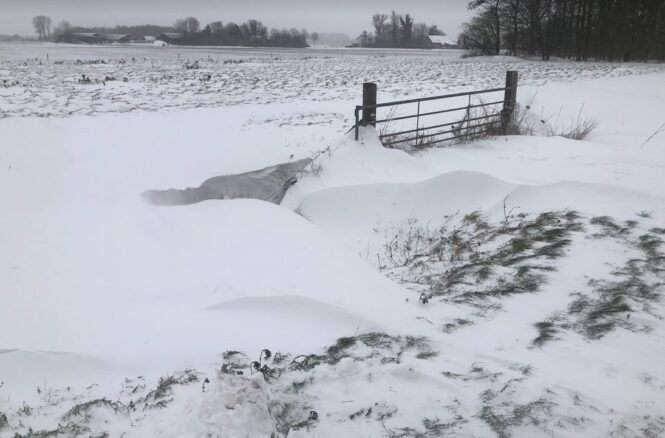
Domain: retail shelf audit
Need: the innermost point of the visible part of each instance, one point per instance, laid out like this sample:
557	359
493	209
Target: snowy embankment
506	287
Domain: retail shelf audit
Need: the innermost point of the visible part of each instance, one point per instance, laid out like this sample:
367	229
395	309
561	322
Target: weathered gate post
369	99
509	100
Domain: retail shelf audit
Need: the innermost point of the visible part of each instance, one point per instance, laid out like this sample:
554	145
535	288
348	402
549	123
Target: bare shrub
577	129
83	409
315	167
477	123
161	396
392	113
520	123
473	125
580	128
524	121
480	122
25	410
406	142
486	121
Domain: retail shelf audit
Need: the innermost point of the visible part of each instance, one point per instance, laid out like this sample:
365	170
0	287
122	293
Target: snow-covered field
123	80
507	287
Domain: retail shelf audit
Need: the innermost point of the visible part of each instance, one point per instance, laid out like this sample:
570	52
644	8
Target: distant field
130	78
21	51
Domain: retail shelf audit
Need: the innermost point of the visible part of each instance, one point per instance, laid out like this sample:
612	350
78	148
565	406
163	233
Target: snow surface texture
508	287
146	80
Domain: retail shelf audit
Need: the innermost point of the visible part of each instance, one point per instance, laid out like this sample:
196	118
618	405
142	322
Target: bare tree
365	38
189	25
62	28
48	27
407	29
180	25
434	30
42	25
379	23
479	35
420	34
396	30
254	32
192	25
574	29
491	10
315	38
394	27
216	27
513	13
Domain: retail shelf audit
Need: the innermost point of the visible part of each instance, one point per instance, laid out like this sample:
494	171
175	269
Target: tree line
14	38
397	31
250	33
612	30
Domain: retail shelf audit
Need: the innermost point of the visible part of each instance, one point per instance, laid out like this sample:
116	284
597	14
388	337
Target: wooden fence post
369	98
509	100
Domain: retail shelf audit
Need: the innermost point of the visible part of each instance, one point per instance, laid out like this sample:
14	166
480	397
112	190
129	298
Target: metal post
357	125
509	100
369	100
417	124
468	116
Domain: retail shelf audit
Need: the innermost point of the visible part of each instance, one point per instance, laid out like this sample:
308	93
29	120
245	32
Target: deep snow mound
360	208
268	184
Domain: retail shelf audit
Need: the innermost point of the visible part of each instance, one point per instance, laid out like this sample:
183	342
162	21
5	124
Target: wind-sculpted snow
95	85
268	184
507	287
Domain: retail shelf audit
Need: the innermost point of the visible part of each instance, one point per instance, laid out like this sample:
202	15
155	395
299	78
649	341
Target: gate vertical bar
468	117
417	124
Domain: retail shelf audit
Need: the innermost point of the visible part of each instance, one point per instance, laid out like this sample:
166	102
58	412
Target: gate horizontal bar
439	112
440	126
425	99
404	140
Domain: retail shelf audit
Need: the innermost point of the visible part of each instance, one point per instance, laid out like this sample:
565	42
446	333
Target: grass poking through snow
473	262
632	289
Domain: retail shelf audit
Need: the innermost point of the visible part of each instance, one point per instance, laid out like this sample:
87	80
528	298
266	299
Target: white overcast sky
347	16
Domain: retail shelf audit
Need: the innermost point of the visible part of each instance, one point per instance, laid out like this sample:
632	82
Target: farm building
120	38
171	37
82	38
442	42
95	38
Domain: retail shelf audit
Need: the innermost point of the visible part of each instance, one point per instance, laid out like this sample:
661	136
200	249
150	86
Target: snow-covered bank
97	286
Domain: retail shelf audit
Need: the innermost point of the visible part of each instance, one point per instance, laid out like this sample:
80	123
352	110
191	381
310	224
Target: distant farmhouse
120	38
167	38
171	38
442	42
96	38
